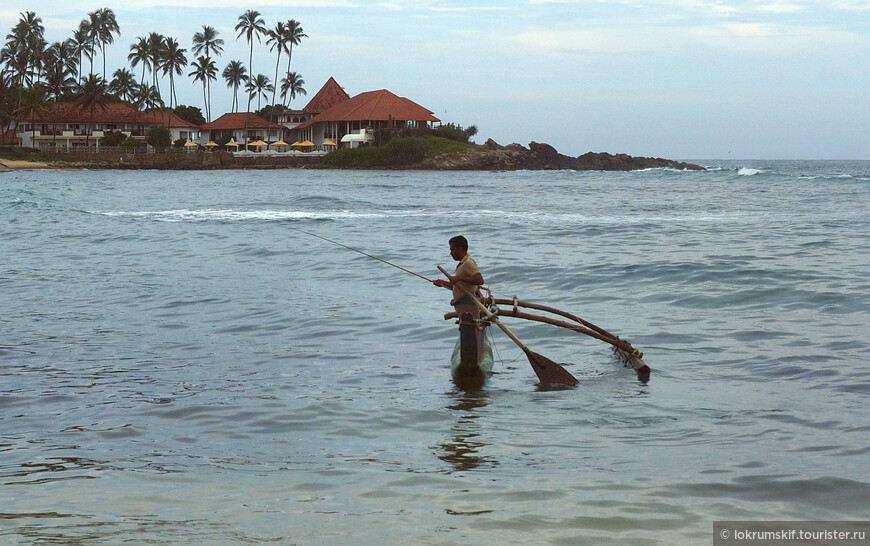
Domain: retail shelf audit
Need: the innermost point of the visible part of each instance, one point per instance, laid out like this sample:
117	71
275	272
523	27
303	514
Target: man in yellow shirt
467	275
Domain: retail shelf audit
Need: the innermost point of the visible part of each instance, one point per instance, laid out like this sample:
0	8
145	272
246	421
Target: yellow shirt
466	267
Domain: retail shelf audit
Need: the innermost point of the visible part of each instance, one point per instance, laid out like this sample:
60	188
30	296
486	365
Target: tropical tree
24	47
82	47
102	25
204	70
147	97
295	33
33	101
278	39
156	47
140	53
8	98
259	87
251	25
59	68
93	95
205	43
123	84
291	85
173	63
235	74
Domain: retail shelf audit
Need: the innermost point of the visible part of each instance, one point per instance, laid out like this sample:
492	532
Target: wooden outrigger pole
622	348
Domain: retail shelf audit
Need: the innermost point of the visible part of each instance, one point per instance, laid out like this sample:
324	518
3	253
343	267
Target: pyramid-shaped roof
329	95
236	120
380	105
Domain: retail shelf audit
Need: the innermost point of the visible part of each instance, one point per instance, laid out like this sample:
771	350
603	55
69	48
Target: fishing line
361	252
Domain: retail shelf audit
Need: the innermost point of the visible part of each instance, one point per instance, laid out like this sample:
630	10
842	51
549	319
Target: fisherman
467	276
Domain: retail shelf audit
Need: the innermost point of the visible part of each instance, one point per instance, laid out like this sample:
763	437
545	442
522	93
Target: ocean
181	363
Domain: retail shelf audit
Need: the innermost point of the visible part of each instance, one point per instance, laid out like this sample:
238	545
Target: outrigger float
471	362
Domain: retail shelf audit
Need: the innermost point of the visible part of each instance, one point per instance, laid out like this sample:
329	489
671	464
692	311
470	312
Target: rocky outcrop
539	156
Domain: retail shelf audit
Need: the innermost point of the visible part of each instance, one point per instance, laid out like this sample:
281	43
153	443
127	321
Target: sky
680	79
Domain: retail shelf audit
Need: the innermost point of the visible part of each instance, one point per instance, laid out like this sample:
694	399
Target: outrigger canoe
471	362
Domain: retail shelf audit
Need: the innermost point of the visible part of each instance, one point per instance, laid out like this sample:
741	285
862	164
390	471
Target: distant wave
747	171
229	215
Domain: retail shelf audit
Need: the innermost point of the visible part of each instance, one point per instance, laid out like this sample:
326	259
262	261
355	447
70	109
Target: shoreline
487	157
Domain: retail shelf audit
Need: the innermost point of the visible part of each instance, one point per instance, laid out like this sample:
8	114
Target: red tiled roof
373	106
329	95
236	120
116	112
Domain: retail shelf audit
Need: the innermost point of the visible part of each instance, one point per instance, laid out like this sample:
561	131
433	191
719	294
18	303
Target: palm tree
82	47
123	84
251	25
139	53
235	74
103	25
60	67
173	63
93	95
295	33
156	47
33	101
278	39
204	70
146	97
259	86
206	43
25	45
291	85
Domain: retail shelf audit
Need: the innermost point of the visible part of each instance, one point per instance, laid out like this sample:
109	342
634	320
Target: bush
190	113
159	137
455	132
366	156
179	143
113	139
131	143
405	151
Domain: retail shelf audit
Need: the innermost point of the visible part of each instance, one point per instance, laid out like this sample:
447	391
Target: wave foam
747	171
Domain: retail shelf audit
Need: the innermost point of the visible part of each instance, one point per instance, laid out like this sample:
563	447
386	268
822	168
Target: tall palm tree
34	100
60	68
278	39
173	63
235	74
139	53
25	45
156	47
295	33
7	102
259	86
123	84
251	25
103	25
93	95
82	47
205	43
204	70
291	85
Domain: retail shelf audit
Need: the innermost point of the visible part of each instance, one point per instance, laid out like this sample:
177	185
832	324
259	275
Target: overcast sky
682	79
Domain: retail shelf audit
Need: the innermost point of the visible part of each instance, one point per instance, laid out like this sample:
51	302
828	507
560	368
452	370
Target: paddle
546	370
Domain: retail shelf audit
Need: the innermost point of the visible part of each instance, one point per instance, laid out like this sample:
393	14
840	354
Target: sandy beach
17	164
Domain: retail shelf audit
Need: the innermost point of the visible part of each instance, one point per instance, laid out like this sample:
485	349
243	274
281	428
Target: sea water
181	363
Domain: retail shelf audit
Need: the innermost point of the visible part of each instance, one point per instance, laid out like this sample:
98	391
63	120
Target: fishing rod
363	253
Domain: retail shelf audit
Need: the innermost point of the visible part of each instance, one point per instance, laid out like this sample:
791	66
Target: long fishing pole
361	252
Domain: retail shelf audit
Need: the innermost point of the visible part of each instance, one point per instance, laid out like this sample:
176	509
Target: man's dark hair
459	241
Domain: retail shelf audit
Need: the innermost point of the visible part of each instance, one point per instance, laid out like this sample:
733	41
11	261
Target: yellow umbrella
211	144
190	144
328	143
297	143
232	143
307	144
279	143
257	143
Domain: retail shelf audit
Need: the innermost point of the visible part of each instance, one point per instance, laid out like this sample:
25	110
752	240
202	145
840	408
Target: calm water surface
179	364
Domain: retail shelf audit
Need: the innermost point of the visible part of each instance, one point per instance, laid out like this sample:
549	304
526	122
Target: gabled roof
116	112
380	105
329	95
236	120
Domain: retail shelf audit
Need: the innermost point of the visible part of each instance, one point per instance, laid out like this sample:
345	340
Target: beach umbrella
258	143
190	144
280	143
328	143
211	144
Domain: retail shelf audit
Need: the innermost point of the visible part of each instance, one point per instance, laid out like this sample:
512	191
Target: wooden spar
575	318
547	371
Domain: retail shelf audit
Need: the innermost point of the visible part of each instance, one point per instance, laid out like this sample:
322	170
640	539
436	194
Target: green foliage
192	114
270	110
455	132
179	143
159	137
397	152
114	138
131	143
405	151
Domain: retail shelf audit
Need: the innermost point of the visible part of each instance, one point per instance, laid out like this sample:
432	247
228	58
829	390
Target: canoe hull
471	361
